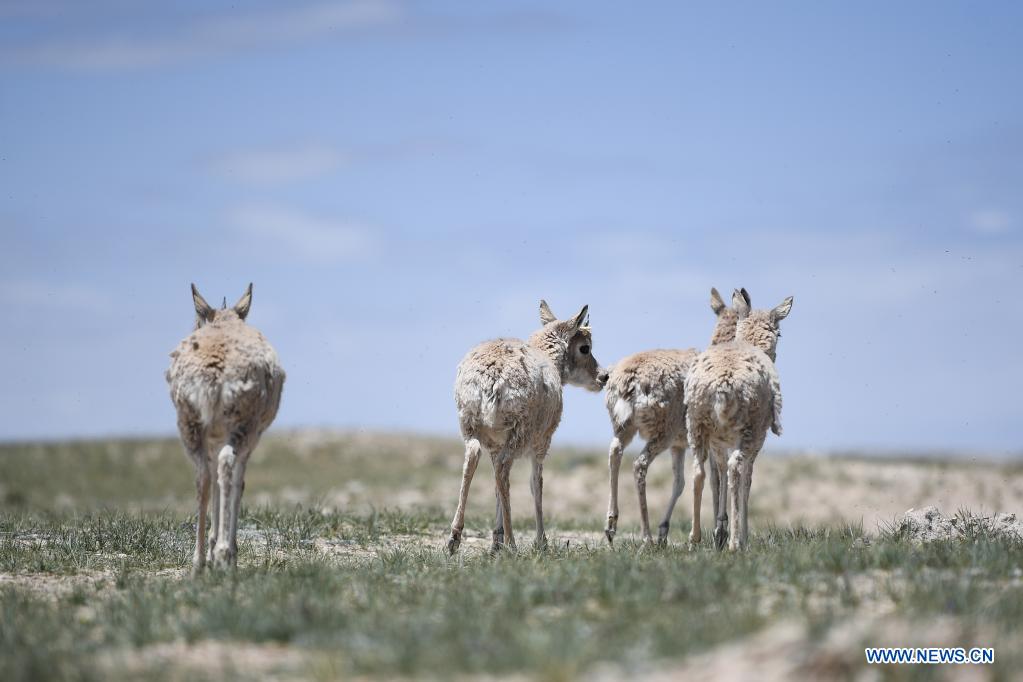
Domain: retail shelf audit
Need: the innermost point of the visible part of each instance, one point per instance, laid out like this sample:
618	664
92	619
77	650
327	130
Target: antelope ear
740	305
745	295
717	304
202	308
546	316
581	319
782	310
244	303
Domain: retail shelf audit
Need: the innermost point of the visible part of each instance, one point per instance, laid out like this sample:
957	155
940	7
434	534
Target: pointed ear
740	305
546	316
745	295
244	303
716	303
202	308
782	310
581	319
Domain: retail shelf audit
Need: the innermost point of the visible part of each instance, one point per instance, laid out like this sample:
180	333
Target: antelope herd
225	381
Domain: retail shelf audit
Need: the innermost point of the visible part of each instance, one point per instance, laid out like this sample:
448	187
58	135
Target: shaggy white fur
508	394
225	382
733	396
645	394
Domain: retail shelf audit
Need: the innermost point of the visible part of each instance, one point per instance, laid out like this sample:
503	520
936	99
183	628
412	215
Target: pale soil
214	659
781	651
786	490
363	470
929	524
56	586
785	651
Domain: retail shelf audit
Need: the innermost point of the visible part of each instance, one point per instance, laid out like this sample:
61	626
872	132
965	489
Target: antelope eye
584	349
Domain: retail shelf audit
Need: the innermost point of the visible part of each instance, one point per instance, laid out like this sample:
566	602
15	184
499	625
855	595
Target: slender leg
639	469
747	483
225	477
498	535
237	490
536	487
193	437
699	457
214	513
472	458
749	448
723	486
715	491
614	463
502	468
202	494
678	454
736	468
719	479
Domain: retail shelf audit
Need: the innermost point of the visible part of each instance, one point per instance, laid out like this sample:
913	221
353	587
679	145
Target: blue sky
404	180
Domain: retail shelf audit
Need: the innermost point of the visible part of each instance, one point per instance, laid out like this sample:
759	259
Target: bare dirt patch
57	586
788	651
929	524
210	659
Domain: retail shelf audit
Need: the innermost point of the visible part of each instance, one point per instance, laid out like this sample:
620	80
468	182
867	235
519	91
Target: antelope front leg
502	469
214	518
225	476
472	458
497	539
536	486
719	486
699	457
639	468
202	495
747	483
736	469
614	463
678	455
237	490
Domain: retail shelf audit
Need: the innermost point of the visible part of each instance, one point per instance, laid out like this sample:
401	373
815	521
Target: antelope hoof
453	542
541	543
662	535
720	538
611	529
224	558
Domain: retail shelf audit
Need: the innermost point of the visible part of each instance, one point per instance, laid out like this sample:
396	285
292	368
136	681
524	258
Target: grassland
341	573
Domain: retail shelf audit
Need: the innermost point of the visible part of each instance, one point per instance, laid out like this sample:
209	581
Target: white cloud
55	296
989	221
218	35
280	165
283	163
311	239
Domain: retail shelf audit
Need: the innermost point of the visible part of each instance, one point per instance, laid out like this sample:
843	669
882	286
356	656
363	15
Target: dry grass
341	573
360	471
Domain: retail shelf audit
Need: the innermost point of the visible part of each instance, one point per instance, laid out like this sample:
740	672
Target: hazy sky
404	180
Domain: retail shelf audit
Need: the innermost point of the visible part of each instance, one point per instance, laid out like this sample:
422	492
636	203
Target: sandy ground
783	651
786	489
